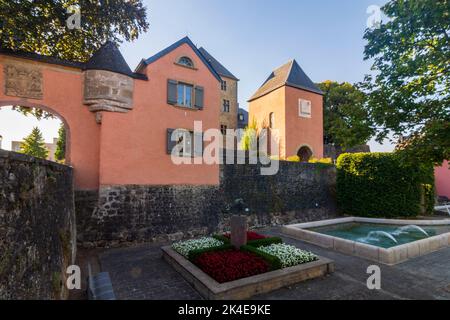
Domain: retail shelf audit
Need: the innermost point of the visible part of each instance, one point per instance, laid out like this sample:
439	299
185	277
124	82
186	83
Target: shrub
194	254
323	161
382	185
226	266
184	247
264	242
293	159
251	236
273	261
222	238
289	256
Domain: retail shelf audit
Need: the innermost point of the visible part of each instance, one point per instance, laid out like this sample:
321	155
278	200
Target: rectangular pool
382	235
387	241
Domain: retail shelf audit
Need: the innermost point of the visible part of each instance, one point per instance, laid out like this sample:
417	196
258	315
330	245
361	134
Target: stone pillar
239	231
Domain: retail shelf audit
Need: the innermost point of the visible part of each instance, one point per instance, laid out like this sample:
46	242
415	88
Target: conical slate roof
109	58
289	74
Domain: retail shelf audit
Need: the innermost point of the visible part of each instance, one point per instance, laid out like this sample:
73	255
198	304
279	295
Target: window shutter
199	97
172	92
198	144
170	144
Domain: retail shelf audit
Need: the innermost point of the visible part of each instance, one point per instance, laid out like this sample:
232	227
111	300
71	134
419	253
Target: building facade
119	122
228	94
291	106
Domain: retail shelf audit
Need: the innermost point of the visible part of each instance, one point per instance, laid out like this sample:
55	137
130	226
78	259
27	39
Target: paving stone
140	273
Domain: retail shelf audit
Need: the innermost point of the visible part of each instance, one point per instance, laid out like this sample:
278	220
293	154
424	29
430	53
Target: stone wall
37	227
300	192
130	214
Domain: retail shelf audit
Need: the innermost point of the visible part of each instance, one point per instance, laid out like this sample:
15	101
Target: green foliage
382	185
293	159
249	140
409	91
322	161
60	153
274	262
194	254
221	238
39	114
34	145
264	242
345	119
40	26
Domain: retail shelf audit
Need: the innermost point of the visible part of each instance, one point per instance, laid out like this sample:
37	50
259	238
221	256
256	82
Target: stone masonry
37	227
134	214
229	119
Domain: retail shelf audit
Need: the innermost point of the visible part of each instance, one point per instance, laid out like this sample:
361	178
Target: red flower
230	265
250	236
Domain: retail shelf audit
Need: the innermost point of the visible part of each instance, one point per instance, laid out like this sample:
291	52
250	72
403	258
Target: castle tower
290	105
108	81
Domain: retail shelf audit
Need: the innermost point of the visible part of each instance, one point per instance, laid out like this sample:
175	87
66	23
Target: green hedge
221	238
274	262
253	243
194	254
264	242
382	185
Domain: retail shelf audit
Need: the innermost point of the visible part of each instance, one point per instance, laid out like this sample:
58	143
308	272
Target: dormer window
186	61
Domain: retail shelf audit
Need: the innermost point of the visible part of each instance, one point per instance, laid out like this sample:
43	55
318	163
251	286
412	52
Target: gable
172	48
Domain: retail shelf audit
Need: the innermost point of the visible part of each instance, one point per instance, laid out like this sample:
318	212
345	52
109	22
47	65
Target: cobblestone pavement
141	273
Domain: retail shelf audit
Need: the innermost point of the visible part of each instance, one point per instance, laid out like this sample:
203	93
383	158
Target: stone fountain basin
391	256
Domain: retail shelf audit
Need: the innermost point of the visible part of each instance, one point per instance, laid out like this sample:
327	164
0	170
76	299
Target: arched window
185	61
271	120
305	154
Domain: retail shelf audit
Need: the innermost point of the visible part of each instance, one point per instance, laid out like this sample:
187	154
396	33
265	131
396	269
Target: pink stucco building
442	175
291	105
118	121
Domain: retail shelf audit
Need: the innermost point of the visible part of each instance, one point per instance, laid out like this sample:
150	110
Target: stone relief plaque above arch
23	80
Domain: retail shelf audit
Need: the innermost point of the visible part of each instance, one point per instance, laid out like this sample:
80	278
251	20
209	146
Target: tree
60	153
409	90
345	117
34	145
41	26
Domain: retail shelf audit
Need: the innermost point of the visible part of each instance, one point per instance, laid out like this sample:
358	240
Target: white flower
289	255
184	247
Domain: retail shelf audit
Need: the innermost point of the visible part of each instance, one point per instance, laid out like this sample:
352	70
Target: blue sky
252	37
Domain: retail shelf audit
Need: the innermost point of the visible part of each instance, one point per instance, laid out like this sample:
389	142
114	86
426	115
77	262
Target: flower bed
289	255
230	265
184	247
221	261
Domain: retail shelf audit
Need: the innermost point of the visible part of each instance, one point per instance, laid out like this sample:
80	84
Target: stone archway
304	153
10	103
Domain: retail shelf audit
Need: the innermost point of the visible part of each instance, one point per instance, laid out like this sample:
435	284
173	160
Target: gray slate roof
216	65
289	74
109	58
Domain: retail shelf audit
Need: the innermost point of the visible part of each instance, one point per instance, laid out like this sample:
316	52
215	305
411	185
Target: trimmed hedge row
194	254
382	185
273	261
264	242
254	243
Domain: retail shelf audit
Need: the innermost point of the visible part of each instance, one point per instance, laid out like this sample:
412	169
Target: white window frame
185	87
186	138
301	108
